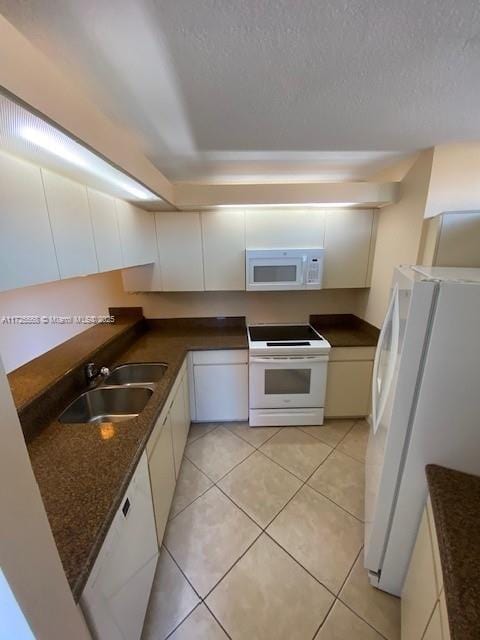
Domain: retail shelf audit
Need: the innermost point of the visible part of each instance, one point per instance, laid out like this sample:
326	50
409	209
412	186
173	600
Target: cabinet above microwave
283	269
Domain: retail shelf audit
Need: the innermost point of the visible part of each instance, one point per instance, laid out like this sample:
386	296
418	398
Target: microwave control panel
313	271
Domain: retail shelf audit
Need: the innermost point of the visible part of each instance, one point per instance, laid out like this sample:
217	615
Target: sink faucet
93	372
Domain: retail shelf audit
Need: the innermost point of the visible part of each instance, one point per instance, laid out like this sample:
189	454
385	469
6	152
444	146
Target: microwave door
276	273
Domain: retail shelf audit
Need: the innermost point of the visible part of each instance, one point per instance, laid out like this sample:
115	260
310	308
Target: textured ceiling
240	89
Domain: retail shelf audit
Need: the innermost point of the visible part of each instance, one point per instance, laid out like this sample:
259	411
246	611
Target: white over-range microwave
284	269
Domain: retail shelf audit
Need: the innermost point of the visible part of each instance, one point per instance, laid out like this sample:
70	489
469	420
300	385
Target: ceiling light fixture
49	143
286	205
35	139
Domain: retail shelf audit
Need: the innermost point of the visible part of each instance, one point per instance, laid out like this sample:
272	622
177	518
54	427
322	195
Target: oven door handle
287	359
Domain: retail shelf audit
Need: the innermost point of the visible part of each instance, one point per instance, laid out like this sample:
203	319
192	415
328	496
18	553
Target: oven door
275	274
282	382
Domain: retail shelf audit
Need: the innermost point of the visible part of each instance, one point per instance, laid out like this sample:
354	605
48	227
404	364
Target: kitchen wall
398	237
454	183
264	306
91	295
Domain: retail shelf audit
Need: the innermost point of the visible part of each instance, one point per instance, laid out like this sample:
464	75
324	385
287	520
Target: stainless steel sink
136	373
107	404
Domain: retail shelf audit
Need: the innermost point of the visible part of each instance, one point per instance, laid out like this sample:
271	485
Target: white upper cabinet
285	229
348	236
137	234
105	230
69	213
224	250
179	239
27	252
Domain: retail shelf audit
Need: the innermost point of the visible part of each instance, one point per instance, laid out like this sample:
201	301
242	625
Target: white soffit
25	134
338	194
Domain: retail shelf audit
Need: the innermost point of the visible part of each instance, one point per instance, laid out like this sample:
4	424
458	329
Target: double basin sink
123	395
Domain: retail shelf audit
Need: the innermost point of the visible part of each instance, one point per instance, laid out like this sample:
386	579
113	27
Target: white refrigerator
425	407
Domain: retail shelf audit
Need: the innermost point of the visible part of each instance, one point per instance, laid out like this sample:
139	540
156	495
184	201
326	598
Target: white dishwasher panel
116	595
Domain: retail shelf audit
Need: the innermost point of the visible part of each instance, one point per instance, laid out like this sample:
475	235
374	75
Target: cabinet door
27	252
434	629
105	230
444	617
224	250
347	248
459	240
186	399
419	591
162	477
180	249
179	426
348	389
278	229
221	392
71	225
137	234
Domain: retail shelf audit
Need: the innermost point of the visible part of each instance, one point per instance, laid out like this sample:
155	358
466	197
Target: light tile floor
265	539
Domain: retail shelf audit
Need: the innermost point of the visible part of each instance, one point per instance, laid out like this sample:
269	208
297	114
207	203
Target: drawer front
225	356
338	354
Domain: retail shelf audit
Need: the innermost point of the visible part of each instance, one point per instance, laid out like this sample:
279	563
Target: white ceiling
232	90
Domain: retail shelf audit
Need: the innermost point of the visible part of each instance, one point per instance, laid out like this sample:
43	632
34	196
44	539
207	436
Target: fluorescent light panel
26	135
286	205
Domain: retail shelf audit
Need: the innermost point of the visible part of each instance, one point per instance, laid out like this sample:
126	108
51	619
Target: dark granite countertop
455	500
83	470
345	330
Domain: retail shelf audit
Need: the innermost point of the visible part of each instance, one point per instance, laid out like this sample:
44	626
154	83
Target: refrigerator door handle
379	401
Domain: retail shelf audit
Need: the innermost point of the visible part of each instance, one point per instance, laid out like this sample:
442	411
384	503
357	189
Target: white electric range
287	375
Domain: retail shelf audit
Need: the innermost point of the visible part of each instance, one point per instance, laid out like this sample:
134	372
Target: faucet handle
91	371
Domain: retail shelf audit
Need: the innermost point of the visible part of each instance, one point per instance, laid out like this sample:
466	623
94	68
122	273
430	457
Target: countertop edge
460	563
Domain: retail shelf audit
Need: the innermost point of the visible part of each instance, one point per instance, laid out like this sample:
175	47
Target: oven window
287	381
275	273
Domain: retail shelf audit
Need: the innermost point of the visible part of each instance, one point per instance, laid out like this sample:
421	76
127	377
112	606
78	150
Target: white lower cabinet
423	599
349	381
434	628
178	421
220	381
165	449
162	475
116	595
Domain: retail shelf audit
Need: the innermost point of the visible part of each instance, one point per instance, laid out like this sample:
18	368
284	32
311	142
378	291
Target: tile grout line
277	429
218	621
339	592
362	522
362	619
350	607
233	565
181	571
194	500
202	435
300	564
170	633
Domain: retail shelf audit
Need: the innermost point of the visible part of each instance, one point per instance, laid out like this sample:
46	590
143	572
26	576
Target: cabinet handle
126	507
